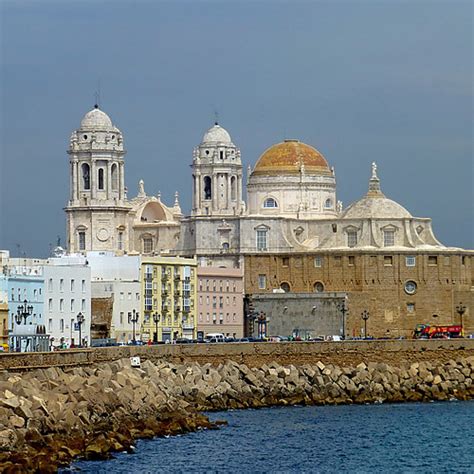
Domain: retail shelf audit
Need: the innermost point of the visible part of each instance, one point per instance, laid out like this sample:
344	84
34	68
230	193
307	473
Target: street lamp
342	307
365	317
23	311
133	318
461	309
80	319
156	319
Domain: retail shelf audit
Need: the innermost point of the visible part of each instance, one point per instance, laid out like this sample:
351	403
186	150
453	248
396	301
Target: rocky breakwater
48	417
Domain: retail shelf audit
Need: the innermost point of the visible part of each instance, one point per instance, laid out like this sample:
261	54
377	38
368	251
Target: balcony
165	277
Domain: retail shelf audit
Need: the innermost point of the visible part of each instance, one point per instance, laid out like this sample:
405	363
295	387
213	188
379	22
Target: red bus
424	331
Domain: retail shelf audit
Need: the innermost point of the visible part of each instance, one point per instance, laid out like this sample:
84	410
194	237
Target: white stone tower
97	208
217	175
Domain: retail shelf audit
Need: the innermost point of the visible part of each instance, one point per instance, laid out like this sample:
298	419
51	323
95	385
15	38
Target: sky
389	81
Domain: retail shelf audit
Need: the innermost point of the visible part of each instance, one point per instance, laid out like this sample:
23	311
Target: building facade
168	310
67	300
220	301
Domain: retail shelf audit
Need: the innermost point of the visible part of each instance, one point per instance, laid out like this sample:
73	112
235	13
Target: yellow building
169	298
3	325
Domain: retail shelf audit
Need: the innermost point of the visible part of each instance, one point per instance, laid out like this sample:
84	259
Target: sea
386	438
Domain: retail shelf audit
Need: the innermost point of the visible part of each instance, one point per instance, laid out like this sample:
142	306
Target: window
285	287
83	305
262	239
83	284
86	181
221	154
200	317
270	203
82	240
120	240
388	260
233	186
214	301
121	317
200	299
318	287
337	261
207	317
207	299
61	285
50	325
262	282
410	307
352	238
122	295
72	305
50	305
72	286
207	187
432	260
328	204
410	287
114	177
234	301
35	295
410	261
129	296
318	261
447	261
147	245
61	325
101	178
351	260
388	238
50	285
285	261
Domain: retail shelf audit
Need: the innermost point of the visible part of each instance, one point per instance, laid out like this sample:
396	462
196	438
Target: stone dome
289	157
96	119
376	207
375	204
217	134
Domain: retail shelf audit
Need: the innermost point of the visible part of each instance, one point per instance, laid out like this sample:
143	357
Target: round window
85	137
207	152
318	287
410	287
113	137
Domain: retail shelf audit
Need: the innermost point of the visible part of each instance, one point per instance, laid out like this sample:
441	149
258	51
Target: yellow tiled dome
288	157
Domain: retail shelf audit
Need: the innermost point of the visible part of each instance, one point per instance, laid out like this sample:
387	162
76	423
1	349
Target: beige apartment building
220	301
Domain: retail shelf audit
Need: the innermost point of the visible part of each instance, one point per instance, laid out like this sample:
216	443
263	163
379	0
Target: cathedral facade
290	234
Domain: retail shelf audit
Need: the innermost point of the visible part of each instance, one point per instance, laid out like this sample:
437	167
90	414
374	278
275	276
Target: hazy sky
362	81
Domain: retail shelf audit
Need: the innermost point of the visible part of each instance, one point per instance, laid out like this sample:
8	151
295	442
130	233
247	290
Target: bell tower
217	175
97	209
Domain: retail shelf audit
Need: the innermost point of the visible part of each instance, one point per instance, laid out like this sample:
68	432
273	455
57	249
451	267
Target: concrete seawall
253	354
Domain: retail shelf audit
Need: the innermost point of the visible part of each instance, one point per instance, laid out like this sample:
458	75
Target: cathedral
289	235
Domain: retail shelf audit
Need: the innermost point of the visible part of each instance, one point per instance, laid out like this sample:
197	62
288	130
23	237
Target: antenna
216	117
97	95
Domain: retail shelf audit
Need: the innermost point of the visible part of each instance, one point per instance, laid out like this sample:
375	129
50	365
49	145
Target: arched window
114	173
101	178
318	287
86	180
207	187
270	203
328	203
233	192
285	287
81	240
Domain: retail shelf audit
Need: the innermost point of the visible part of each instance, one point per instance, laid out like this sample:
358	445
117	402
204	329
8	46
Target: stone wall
253	354
375	282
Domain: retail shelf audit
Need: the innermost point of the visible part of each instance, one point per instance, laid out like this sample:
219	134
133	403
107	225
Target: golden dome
288	157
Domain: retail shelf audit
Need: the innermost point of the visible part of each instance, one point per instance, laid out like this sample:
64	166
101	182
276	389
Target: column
77	184
109	180
121	182
93	179
198	193
229	192
214	191
239	192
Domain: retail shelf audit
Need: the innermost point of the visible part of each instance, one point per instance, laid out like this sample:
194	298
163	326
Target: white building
67	294
117	278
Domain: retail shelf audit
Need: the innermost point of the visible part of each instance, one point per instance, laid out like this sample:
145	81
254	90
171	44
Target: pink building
220	301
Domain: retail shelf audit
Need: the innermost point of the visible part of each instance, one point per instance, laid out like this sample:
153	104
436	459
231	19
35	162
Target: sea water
392	438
